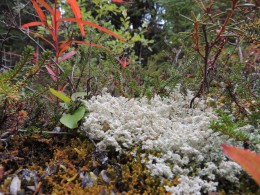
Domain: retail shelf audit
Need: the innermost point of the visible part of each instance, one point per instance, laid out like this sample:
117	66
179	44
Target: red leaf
36	24
46	5
32	24
64	47
39	11
249	160
75	8
67	56
93	25
119	1
51	73
77	13
123	62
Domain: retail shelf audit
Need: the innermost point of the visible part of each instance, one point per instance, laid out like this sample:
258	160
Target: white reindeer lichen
182	136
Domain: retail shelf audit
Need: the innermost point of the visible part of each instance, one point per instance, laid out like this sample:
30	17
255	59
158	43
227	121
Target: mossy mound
66	165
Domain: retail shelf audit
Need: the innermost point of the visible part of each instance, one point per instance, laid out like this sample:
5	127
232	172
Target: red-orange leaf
77	13
46	5
123	62
32	24
119	1
94	26
64	46
39	11
249	160
75	8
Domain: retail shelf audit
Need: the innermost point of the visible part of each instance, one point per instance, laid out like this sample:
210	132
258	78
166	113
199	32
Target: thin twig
234	99
47	132
204	82
89	61
38	188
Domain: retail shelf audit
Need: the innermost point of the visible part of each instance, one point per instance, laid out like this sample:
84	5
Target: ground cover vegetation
133	97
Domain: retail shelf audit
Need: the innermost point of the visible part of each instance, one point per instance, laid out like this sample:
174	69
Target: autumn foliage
61	46
250	161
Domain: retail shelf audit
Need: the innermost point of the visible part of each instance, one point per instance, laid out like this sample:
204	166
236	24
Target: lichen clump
176	141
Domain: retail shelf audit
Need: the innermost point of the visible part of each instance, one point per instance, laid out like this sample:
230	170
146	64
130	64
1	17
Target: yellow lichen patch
175	181
138	180
79	190
81	153
60	174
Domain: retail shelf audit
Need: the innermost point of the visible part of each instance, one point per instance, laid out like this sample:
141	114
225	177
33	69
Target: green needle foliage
13	80
228	127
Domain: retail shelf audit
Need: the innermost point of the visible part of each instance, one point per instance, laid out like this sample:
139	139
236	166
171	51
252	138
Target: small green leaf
71	121
76	95
124	13
60	95
65	105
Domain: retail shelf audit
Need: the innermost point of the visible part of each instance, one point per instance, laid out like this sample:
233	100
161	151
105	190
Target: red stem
55	30
56	45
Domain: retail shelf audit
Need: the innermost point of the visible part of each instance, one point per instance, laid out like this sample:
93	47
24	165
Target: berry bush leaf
76	95
71	120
